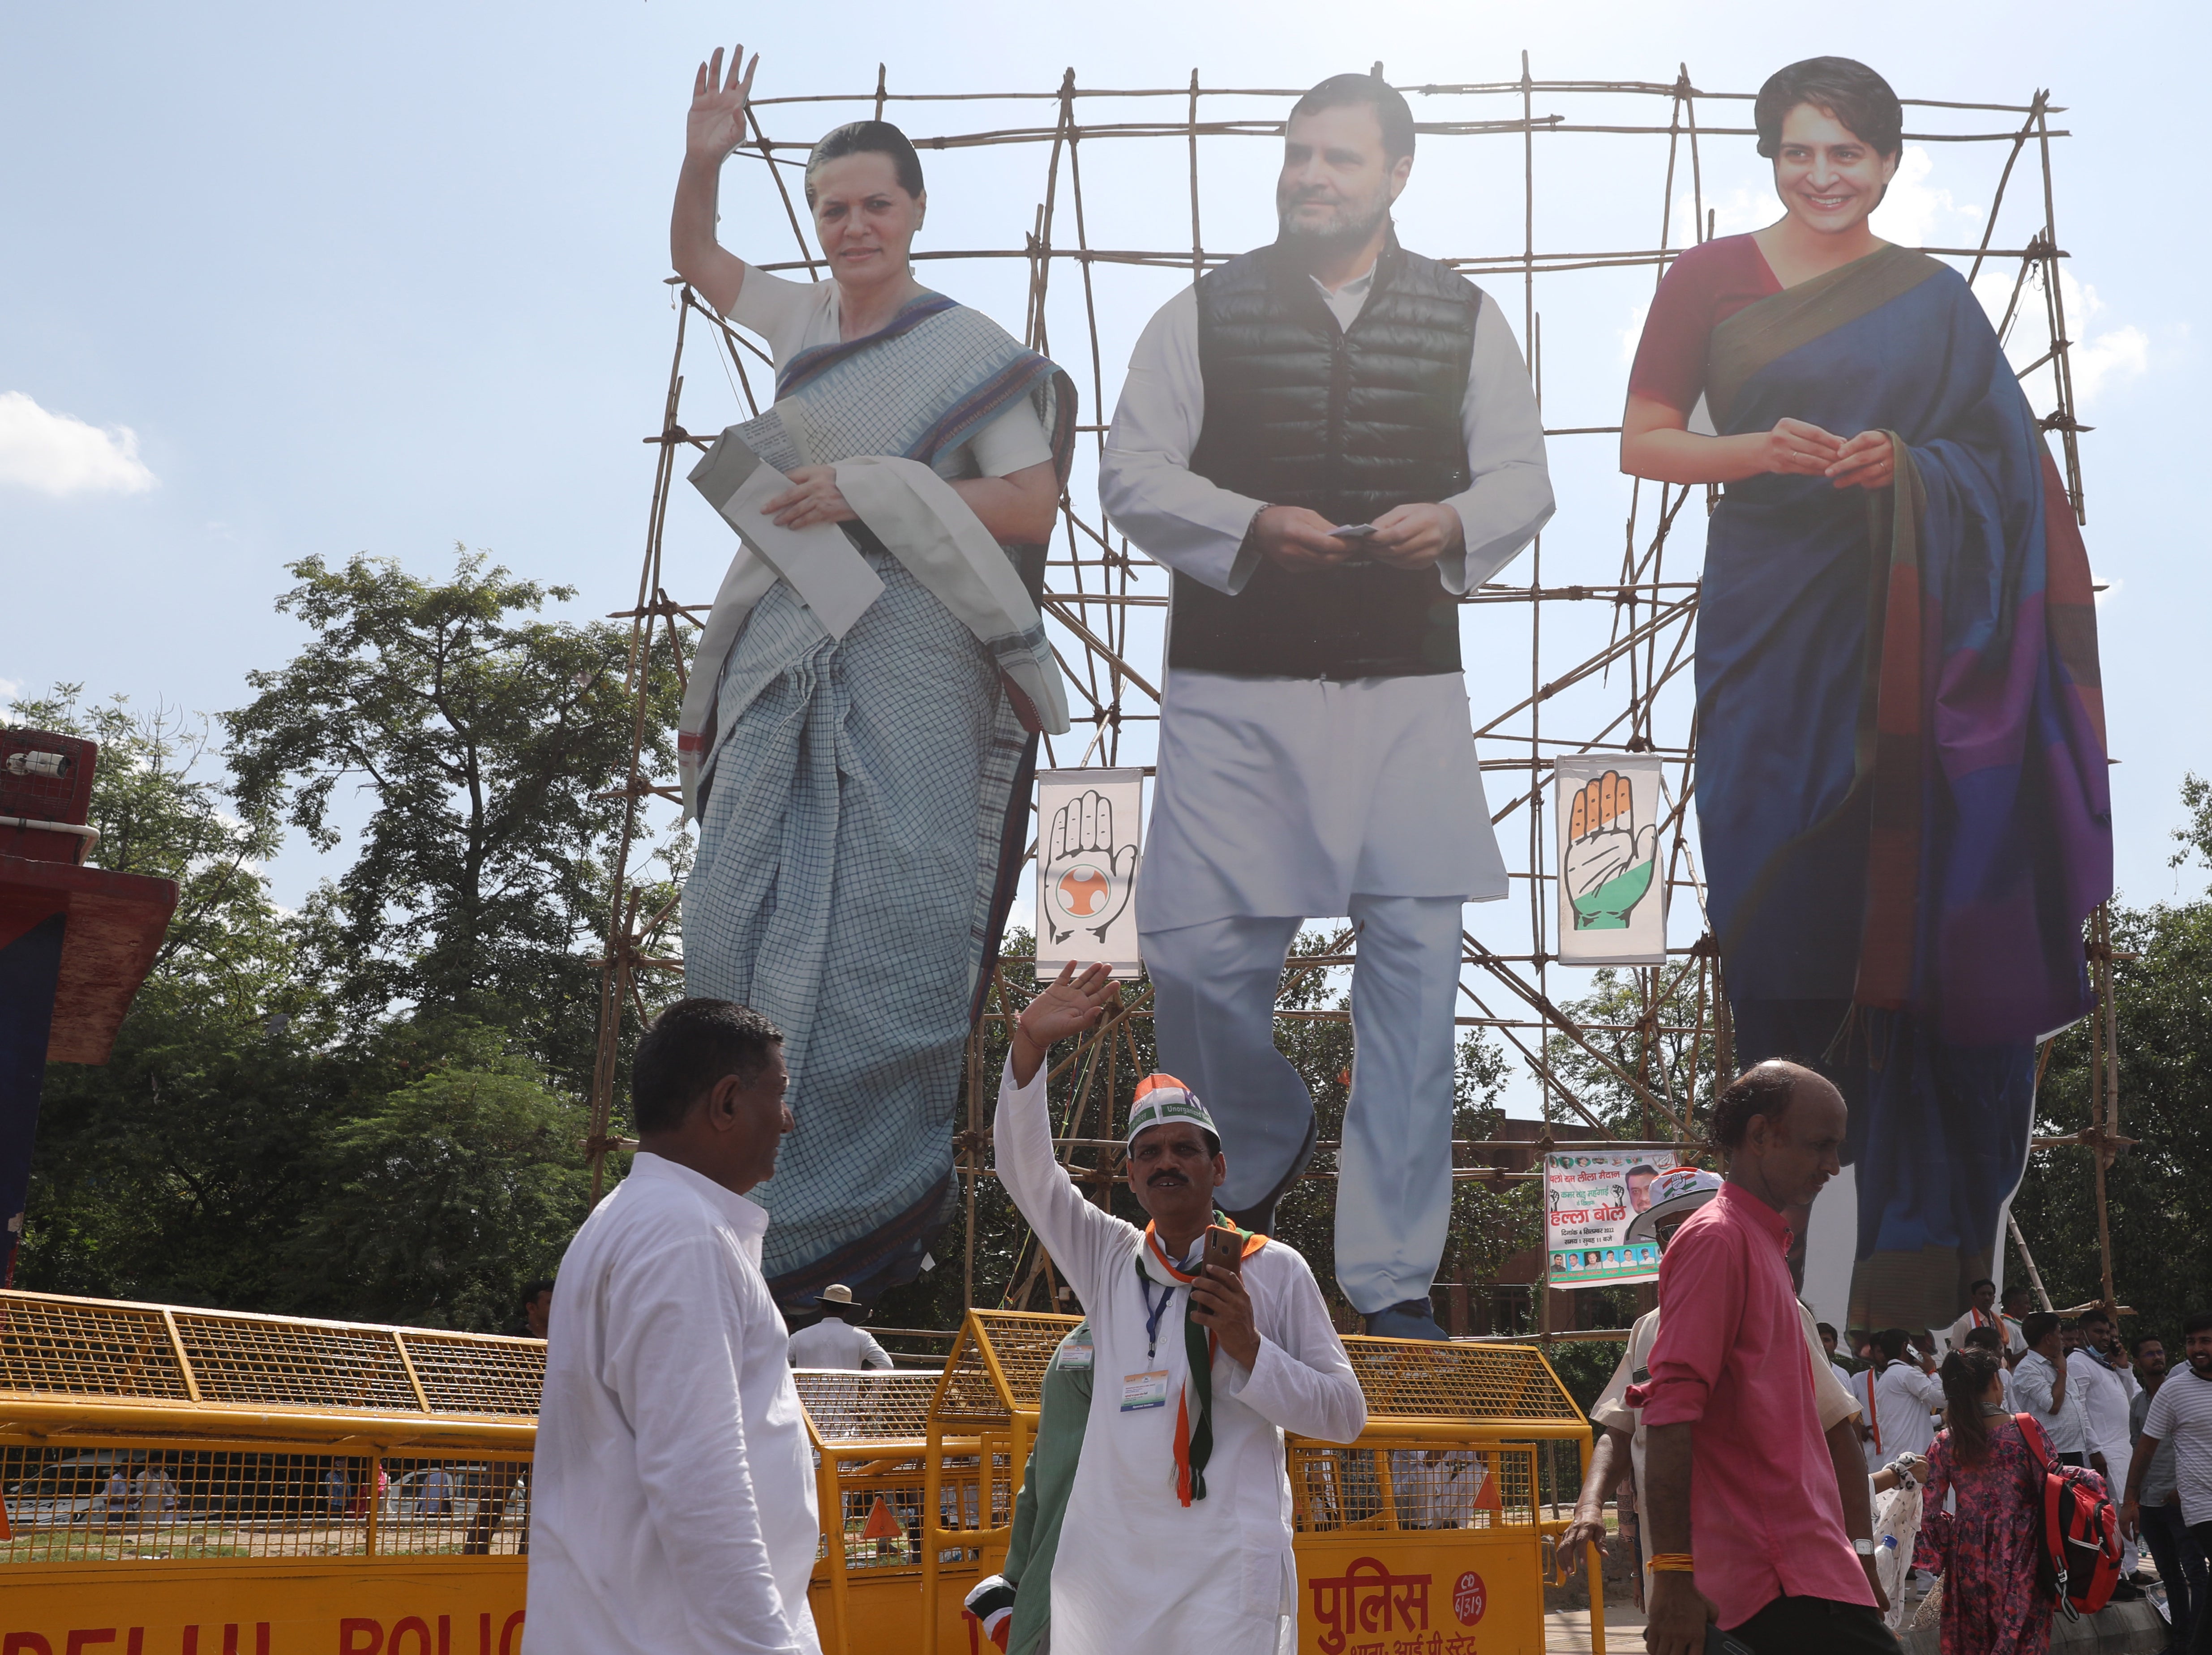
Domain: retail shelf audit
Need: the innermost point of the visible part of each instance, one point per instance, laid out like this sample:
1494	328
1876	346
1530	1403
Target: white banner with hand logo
1090	823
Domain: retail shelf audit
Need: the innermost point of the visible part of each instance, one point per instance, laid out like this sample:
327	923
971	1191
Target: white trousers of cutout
1213	1008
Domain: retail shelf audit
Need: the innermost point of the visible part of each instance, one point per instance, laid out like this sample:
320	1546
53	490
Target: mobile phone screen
1353	532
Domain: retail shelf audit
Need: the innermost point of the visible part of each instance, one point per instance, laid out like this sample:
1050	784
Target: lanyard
1153	1315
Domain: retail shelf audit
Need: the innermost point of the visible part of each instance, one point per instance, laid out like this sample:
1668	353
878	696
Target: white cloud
1917	214
9	689
1732	212
59	454
1632	335
2102	356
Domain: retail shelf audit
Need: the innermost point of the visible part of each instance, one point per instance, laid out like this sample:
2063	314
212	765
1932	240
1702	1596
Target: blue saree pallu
1901	781
863	805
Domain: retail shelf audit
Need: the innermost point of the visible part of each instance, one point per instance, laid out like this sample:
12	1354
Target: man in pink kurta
1773	1502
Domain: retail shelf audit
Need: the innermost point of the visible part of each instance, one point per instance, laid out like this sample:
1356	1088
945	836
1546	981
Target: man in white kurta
672	1508
1139	1568
1316	758
838	1340
2109	1387
1899	1401
1982	1313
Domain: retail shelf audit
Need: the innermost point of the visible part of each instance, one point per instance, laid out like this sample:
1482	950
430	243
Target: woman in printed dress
1993	1603
1901	781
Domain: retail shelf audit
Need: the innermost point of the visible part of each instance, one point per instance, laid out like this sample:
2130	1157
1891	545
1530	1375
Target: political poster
1613	898
1089	827
1590	1196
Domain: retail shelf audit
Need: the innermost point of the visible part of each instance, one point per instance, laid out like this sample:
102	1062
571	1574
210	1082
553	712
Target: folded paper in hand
819	562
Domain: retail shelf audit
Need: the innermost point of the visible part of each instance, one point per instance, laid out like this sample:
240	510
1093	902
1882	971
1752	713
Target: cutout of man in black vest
1330	440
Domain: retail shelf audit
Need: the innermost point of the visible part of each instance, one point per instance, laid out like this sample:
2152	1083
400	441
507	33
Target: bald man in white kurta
1137	1569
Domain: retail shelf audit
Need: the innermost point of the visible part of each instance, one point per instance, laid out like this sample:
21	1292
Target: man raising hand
1176	1538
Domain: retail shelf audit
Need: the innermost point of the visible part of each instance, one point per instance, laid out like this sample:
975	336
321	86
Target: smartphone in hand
1224	1248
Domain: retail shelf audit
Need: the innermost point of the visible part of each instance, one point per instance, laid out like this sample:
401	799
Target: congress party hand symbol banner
1590	1198
1613	902
1089	824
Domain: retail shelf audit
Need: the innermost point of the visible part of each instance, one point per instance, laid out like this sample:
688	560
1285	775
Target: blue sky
321	281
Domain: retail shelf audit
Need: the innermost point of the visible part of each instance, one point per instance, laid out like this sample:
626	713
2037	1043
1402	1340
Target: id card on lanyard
1143	1391
1149	1390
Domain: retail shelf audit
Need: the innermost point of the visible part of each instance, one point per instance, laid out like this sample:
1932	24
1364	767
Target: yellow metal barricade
868	1431
189	1480
982	1418
173	1478
1430	1532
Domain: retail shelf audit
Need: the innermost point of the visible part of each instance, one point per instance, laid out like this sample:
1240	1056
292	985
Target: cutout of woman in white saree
862	799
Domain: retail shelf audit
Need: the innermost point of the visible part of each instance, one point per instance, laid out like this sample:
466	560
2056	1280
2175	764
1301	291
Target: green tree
175	1169
494	746
1644	1024
2159	1206
246	1146
442	1198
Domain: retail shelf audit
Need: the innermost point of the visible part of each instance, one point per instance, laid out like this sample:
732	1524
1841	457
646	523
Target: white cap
1162	1098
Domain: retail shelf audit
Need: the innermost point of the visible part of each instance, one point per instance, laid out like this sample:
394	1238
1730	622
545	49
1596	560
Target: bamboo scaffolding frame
1667	1063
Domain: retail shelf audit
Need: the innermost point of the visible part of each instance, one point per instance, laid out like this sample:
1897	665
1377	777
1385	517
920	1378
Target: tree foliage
489	744
1642	1027
439	1199
2157	1202
371	1107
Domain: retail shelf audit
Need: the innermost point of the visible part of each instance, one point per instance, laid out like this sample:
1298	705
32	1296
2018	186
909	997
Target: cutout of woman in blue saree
863	799
1901	782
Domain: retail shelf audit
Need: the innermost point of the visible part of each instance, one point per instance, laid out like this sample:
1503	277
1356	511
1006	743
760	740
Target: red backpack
2079	1559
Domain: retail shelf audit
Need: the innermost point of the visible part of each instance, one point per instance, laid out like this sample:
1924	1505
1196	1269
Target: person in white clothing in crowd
1331	440
2181	1414
1981	1312
1617	1462
1898	1397
2099	1365
672	1508
838	1340
2013	1306
2043	1386
1177	1536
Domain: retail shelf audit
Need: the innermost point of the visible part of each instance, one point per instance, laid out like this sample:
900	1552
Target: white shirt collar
744	1215
1348	300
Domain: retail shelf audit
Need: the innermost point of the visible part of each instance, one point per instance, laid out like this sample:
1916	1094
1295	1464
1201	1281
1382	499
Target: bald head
1783	1127
1766	1090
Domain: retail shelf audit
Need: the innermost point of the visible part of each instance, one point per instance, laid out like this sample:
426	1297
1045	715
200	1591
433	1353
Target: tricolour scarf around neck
1194	1432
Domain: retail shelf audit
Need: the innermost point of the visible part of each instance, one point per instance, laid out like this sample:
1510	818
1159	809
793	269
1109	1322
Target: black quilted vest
1349	423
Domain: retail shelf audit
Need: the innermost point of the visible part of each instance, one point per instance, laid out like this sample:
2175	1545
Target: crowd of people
1754	1471
1794	1503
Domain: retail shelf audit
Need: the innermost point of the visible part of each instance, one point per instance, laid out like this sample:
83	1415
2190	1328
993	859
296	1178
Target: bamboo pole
1090	612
